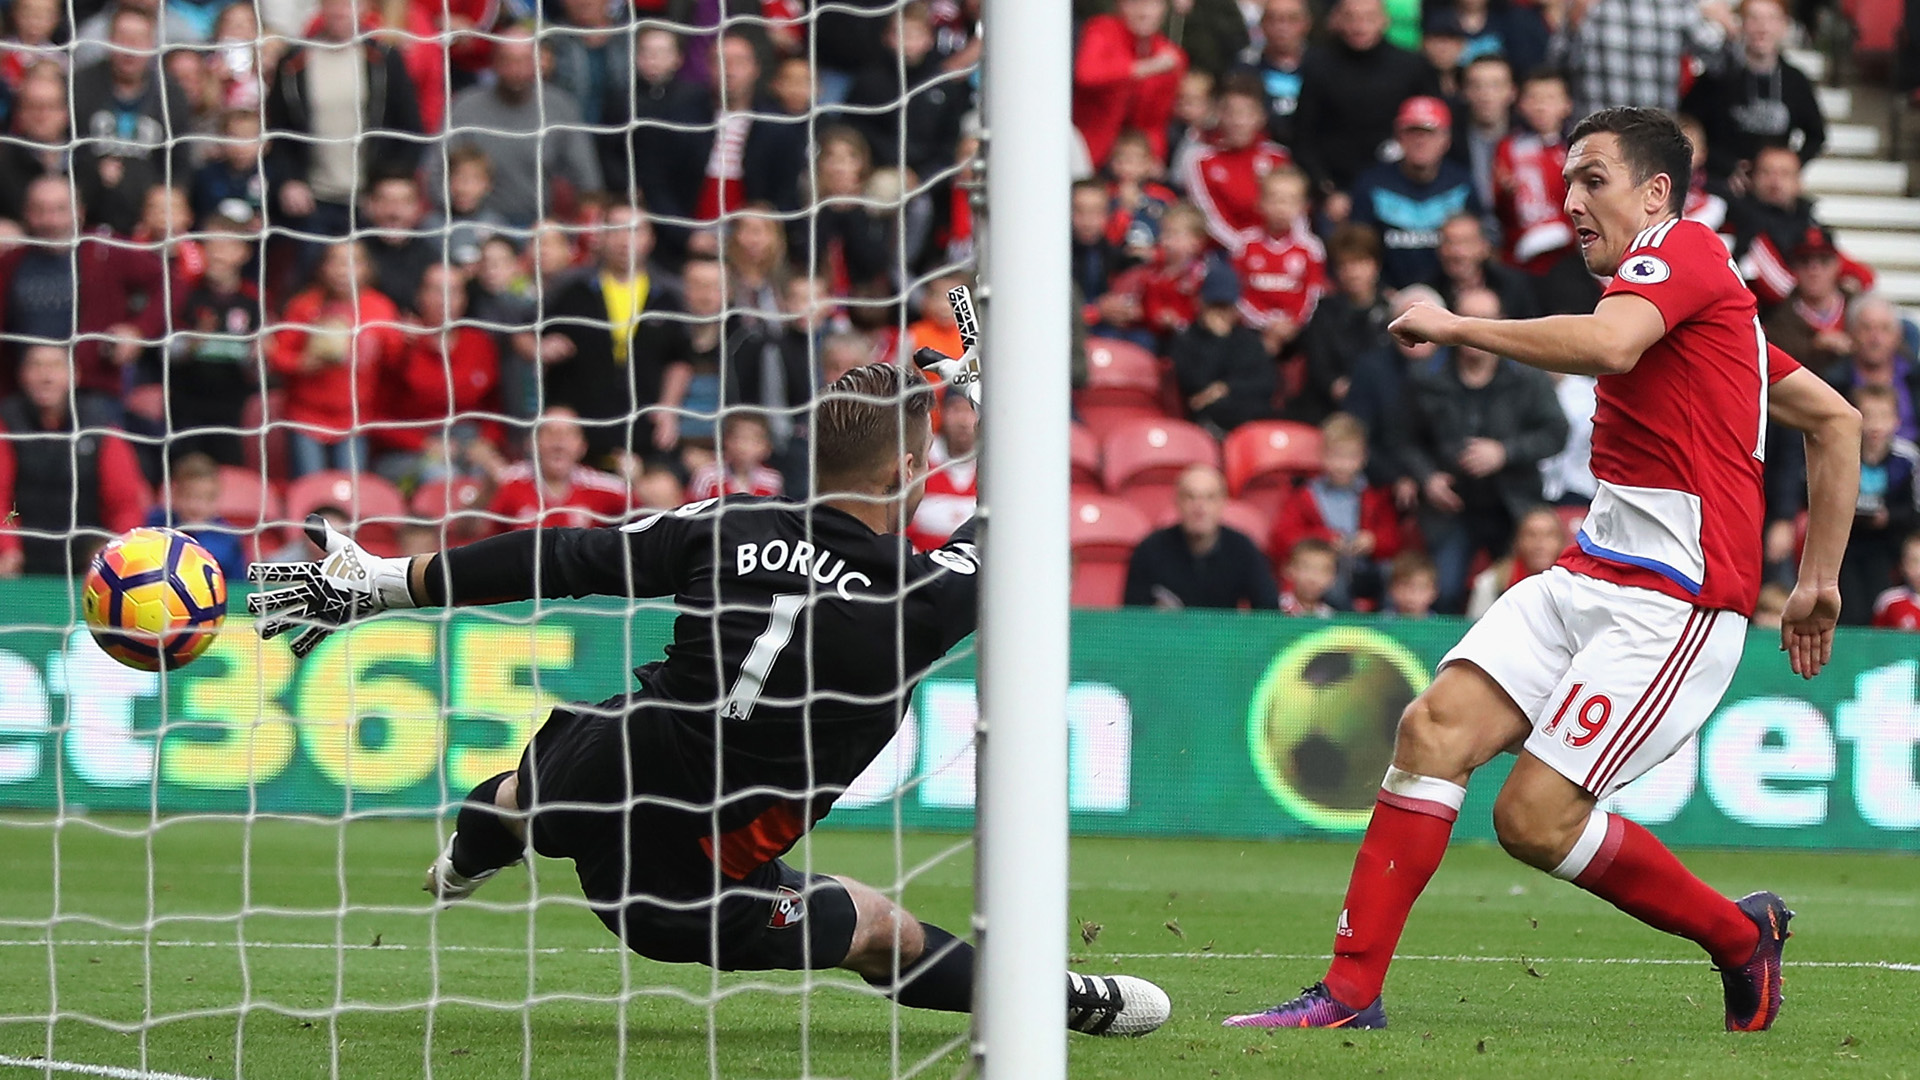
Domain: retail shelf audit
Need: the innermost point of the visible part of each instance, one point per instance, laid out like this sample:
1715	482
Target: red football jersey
594	498
1530	198
1281	276
1897	609
953	491
1679	442
1225	185
711	481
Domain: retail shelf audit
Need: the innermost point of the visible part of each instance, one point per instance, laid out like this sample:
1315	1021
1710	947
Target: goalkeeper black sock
482	841
941	979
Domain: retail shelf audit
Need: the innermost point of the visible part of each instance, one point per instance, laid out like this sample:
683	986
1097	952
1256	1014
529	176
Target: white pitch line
81	1068
589	950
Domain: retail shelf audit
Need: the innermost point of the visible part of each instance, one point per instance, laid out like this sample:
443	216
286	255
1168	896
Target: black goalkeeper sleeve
526	563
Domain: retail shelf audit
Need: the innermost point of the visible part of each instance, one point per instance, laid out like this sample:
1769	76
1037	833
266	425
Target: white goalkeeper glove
963	372
348	584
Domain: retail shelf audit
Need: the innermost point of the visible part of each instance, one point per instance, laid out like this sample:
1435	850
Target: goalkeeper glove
963	373
349	583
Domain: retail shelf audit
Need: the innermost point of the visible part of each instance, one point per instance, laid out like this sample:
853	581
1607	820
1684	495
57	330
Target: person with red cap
1811	325
1408	200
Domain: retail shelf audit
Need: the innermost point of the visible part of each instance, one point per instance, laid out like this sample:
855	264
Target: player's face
1608	209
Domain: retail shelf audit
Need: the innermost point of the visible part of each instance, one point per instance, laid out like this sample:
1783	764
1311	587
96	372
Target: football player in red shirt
1603	666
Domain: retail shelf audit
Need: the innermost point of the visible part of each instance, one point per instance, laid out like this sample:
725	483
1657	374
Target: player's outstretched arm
1803	401
1607	342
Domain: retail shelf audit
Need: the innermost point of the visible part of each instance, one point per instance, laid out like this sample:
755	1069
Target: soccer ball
153	599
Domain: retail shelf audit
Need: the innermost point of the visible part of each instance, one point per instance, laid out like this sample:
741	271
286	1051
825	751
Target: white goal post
1021	885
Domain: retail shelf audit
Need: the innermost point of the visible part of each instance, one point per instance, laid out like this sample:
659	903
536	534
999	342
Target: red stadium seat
1265	458
457	502
1155	452
1085	451
1123	383
245	500
1104	532
370	502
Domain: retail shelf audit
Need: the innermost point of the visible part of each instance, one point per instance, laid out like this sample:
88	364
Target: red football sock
1623	864
1404	844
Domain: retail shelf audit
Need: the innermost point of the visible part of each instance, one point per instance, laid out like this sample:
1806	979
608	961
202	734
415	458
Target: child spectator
193	507
1341	508
1537	544
31	26
952	486
745	445
166	222
1529	194
1096	257
1224	180
446	371
555	490
1223	371
1162	298
234	171
337	338
1135	201
1282	267
1899	607
1312	567
1413	586
1191	128
467	220
1885	513
937	327
1349	322
214	356
657	488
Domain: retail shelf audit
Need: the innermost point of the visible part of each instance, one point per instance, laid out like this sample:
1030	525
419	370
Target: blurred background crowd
438	268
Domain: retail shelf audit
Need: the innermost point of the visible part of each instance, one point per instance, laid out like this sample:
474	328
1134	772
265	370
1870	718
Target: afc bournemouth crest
789	908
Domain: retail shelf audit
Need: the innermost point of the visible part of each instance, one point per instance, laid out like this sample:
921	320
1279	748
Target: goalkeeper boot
1753	988
1314	1008
447	884
1115	1005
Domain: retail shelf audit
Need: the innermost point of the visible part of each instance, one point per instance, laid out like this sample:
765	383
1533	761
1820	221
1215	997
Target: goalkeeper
802	632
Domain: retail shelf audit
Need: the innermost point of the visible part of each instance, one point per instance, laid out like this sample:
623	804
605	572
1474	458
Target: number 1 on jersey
759	662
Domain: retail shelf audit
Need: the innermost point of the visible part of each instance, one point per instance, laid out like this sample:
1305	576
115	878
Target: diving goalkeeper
803	630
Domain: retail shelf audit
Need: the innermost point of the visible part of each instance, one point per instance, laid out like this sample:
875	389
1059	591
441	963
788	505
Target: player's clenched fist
1423	322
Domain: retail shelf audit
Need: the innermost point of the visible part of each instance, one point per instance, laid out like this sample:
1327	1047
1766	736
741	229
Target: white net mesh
434	270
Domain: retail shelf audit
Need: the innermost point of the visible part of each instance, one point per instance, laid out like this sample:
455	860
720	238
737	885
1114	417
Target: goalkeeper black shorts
641	861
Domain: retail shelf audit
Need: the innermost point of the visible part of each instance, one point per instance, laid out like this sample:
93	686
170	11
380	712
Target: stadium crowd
467	265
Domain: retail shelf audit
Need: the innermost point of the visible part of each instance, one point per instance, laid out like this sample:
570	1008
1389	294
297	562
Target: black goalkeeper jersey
801	636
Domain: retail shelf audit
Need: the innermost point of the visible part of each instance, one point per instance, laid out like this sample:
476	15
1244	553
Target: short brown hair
194	466
464	154
866	417
1343	427
1411	564
1874	392
1353	241
1312	545
1651	143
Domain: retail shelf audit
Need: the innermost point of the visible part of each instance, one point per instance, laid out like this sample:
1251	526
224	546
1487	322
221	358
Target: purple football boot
1753	988
1314	1008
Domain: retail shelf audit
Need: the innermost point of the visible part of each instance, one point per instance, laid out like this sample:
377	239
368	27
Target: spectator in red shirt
1529	193
953	485
746	442
1224	180
1341	508
555	490
1162	298
1899	607
1282	265
67	282
66	483
338	338
1125	75
445	373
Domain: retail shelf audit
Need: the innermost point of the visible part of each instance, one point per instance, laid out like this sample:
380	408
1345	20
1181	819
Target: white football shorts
1614	679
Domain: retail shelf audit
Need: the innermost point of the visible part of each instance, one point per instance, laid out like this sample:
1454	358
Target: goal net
434	271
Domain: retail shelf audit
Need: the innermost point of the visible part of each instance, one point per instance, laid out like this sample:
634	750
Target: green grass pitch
1505	972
